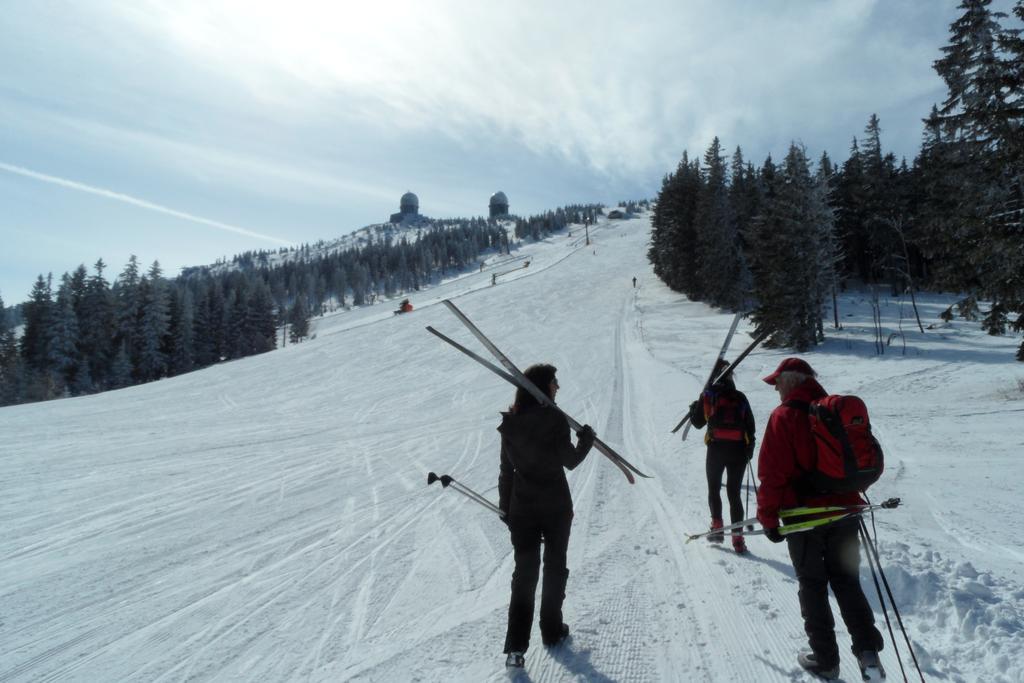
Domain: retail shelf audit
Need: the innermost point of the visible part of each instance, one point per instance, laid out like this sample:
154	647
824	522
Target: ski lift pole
447	481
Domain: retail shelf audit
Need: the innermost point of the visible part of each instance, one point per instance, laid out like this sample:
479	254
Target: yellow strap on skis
811	523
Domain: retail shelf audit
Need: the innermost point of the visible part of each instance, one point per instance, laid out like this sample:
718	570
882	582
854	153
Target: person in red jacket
824	556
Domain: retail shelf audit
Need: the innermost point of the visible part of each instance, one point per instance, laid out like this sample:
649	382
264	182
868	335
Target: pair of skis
514	376
833	513
713	378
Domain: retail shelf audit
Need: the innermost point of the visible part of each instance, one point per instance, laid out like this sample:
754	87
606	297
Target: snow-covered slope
269	519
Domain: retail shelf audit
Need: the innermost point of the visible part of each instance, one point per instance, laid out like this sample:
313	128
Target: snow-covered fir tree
153	325
9	359
299	319
976	241
719	271
63	353
787	241
674	235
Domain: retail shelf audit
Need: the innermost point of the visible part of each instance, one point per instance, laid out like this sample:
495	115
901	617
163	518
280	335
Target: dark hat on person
541	374
790	365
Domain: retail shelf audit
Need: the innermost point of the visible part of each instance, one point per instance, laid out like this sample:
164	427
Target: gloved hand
750	451
585	438
773	535
694	409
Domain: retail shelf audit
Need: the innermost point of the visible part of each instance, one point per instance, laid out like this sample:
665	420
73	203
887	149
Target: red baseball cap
790	365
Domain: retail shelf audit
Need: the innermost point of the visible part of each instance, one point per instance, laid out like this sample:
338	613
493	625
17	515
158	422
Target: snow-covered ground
269	519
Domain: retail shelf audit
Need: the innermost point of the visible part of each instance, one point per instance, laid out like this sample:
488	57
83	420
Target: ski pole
750	480
447	481
875	561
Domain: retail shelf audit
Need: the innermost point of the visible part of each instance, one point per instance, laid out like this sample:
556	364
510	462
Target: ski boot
870	666
738	544
716	524
552	639
809	661
515	660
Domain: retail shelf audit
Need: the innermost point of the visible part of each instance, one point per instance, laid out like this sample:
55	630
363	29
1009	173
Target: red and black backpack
726	413
849	457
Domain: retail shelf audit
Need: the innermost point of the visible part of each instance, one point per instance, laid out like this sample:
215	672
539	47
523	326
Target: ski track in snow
268	519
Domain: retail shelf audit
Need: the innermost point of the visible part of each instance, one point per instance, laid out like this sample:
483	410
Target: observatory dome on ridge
499	204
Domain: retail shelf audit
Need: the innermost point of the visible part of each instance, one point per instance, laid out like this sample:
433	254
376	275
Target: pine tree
36	338
9	360
97	327
120	368
154	325
746	196
63	352
299	319
203	324
181	355
236	306
851	215
719	264
673	248
789	240
975	240
975	73
128	309
877	198
827	248
260	327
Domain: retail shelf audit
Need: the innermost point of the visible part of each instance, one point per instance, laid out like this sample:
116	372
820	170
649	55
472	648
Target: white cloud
611	85
135	201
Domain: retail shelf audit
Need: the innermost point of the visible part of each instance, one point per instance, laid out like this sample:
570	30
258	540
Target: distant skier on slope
534	498
730	439
404	307
824	556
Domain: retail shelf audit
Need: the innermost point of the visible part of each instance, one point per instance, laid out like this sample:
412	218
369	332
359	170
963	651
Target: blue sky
188	131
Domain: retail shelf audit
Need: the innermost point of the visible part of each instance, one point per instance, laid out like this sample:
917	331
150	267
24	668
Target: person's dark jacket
535	452
699	419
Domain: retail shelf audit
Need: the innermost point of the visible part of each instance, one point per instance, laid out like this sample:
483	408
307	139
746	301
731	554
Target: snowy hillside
269	519
376	233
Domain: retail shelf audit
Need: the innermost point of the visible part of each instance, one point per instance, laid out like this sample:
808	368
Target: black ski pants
730	459
527	532
830	556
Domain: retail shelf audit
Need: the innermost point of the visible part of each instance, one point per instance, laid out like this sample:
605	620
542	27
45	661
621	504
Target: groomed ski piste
269	519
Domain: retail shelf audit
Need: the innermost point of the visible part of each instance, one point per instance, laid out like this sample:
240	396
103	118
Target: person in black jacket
534	498
730	438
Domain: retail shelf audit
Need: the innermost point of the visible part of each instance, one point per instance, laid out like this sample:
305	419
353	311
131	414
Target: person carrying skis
823	556
730	438
534	498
